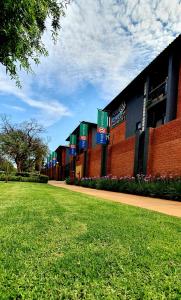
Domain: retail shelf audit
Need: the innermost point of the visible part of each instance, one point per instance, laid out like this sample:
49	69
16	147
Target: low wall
94	161
121	158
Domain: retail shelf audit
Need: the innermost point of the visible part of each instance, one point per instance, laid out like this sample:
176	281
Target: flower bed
154	186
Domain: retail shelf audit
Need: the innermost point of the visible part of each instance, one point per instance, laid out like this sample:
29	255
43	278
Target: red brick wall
63	163
121	158
80	159
94	157
164	155
72	173
63	156
94	161
120	152
179	95
117	133
90	138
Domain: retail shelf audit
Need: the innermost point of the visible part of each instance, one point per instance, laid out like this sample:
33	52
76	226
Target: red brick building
148	138
144	125
87	162
63	162
61	169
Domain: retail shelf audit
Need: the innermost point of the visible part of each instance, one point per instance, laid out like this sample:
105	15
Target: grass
57	244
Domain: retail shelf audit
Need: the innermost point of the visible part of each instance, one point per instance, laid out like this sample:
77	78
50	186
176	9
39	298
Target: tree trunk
18	163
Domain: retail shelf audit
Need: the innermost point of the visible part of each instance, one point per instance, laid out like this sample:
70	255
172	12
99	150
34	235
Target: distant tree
6	164
6	167
22	24
22	143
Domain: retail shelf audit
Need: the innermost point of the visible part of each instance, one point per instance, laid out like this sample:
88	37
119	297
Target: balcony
157	94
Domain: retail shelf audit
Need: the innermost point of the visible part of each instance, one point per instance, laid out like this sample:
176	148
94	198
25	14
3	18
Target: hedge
35	178
153	186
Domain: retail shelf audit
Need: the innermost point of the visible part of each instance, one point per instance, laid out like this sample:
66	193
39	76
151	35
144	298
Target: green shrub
27	174
22	174
43	178
68	180
38	178
159	186
4	177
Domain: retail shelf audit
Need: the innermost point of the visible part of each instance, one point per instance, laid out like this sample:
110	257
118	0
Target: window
138	126
156	115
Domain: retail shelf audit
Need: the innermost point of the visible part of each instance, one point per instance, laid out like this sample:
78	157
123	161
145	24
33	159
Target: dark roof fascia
76	130
142	76
61	147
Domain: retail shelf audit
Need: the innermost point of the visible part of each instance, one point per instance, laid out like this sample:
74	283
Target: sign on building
118	116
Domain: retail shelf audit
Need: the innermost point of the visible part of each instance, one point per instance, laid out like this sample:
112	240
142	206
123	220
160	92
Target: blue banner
72	150
83	144
73	143
101	138
54	162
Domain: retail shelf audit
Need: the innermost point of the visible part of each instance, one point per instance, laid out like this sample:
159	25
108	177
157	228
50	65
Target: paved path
172	208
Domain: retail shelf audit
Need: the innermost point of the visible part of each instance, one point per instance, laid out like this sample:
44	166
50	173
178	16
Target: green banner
73	139
83	129
54	155
102	120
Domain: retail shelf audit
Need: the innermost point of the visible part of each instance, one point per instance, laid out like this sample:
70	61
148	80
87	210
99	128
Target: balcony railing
158	93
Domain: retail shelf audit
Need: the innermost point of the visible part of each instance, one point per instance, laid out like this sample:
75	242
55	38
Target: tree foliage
6	164
22	24
22	143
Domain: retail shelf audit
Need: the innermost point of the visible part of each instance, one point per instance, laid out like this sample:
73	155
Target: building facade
86	162
144	132
60	169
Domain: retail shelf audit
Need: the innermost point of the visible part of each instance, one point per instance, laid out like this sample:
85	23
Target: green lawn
57	244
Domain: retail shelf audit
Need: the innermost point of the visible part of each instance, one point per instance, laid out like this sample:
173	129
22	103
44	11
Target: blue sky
102	46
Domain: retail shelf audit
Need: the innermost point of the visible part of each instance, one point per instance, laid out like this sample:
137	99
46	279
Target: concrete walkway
172	208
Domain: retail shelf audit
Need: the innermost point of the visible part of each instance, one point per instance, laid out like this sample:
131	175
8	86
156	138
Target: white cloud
14	107
47	111
107	43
